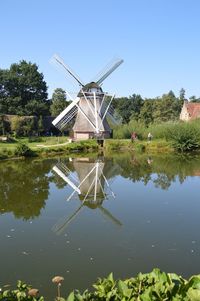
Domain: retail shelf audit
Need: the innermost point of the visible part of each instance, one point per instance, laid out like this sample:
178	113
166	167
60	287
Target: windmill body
89	109
91	99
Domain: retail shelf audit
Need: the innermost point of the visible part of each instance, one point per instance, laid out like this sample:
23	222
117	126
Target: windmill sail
66	115
110	68
60	61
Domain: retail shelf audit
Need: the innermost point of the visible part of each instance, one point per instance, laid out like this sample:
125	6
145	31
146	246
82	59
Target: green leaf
123	289
71	297
193	294
110	277
194	282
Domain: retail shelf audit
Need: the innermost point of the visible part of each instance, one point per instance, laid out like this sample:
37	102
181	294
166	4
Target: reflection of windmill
90	106
89	184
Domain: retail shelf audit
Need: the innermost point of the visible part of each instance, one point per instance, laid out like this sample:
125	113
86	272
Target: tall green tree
23	90
128	107
59	102
146	113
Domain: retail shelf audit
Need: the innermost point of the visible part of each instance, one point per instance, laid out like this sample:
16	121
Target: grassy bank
179	138
20	149
159	145
46	147
156	286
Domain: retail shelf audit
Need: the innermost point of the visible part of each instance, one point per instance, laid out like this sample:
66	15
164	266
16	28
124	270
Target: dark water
131	214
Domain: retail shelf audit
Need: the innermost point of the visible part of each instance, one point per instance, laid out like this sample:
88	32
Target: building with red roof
190	111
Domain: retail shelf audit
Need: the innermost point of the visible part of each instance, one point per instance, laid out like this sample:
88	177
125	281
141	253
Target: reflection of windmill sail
90	107
61	225
91	188
110	216
66	179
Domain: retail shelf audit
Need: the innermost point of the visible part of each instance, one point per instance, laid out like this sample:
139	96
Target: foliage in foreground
156	285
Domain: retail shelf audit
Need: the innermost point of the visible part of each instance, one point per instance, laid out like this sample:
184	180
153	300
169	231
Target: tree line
23	92
150	110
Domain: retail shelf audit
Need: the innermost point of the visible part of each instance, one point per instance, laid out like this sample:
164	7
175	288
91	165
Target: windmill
91	106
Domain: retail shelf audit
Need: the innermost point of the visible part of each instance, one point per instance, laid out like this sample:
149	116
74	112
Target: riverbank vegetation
48	146
167	137
179	135
156	286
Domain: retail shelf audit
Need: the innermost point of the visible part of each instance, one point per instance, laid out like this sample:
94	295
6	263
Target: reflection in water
91	185
157	201
24	188
25	185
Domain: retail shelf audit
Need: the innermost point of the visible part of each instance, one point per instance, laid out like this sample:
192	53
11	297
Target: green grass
49	146
44	141
156	145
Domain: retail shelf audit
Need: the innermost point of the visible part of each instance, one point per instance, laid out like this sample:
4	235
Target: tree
146	114
166	108
4	125
23	126
194	99
128	108
182	95
23	90
59	102
137	103
40	126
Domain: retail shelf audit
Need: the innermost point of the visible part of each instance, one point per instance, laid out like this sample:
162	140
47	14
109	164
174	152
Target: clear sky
159	41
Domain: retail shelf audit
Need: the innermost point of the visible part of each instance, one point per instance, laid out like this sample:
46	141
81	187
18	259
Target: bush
139	147
115	144
23	150
185	137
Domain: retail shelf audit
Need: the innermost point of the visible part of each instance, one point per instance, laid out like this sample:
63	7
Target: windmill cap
87	88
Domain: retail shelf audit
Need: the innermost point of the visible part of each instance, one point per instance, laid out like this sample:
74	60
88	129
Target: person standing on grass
133	136
149	136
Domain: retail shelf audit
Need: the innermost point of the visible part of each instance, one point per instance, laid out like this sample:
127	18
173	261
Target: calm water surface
85	217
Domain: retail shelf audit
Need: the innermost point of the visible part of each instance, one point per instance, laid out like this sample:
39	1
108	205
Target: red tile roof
193	110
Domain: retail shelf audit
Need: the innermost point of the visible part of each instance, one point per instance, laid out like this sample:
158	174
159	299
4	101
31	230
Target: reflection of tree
165	168
163	181
133	168
24	187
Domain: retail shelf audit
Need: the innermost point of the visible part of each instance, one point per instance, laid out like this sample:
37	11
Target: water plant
58	280
155	286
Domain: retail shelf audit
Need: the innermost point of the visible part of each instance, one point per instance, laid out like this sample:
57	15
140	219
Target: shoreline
7	152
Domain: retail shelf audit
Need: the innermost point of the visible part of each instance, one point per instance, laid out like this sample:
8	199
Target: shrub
139	147
23	150
185	137
113	144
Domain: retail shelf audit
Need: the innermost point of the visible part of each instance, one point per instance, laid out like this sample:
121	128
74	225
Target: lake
84	217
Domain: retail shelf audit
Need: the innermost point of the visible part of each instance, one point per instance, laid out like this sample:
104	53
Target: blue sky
159	41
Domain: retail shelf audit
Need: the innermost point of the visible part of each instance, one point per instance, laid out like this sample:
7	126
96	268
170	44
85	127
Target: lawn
35	144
